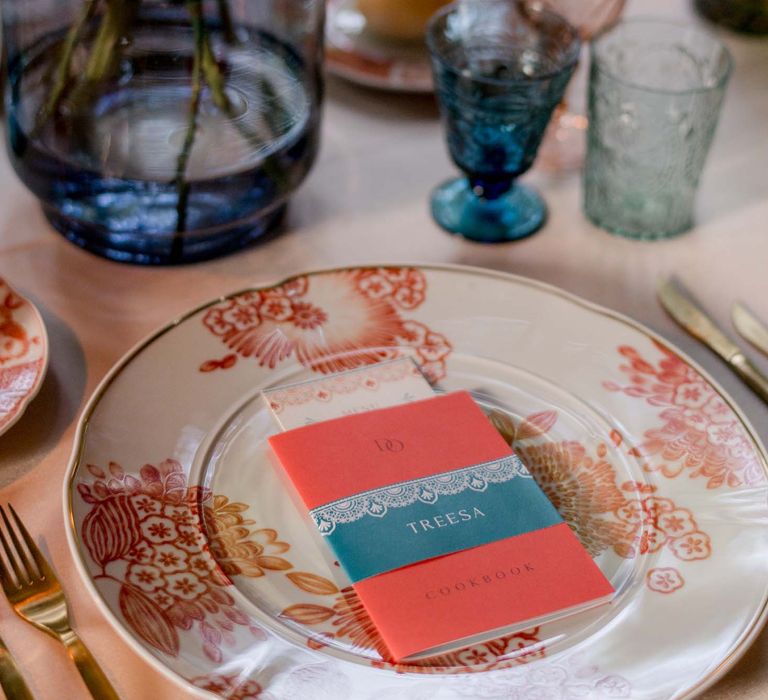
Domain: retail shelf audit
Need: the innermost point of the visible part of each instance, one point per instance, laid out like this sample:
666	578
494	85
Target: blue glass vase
500	69
162	131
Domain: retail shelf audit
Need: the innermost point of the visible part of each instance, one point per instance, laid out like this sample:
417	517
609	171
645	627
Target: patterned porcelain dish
23	354
354	53
188	539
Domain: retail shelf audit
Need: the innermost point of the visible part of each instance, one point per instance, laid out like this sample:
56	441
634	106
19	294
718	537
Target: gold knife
12	683
750	326
701	327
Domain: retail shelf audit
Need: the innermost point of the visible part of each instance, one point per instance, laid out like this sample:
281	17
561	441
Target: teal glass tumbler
500	68
655	92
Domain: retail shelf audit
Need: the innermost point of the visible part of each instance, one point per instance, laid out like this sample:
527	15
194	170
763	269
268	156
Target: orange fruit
399	19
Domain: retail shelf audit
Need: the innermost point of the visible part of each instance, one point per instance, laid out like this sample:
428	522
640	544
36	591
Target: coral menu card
442	530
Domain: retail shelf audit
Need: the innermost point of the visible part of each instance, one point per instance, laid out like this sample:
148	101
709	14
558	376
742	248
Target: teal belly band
391	527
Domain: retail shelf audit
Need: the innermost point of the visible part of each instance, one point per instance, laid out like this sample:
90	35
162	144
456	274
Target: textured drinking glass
162	131
500	68
654	98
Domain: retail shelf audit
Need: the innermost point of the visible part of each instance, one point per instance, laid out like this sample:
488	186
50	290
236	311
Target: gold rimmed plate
189	541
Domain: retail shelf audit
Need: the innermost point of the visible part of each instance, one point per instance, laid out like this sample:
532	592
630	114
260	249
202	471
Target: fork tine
5	575
42	565
9	554
26	576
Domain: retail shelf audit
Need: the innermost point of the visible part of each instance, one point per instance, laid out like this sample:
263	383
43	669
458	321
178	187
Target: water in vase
128	165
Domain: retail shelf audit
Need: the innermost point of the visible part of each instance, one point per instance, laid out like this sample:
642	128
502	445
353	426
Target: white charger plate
194	549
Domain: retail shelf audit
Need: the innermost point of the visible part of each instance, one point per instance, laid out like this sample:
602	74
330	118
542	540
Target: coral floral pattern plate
197	553
23	354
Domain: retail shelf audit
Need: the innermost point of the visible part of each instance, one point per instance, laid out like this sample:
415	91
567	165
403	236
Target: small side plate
23	354
354	53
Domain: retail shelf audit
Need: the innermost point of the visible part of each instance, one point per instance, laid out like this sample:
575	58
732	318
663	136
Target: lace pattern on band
377	502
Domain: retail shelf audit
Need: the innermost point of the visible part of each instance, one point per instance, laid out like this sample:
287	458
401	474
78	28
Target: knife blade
11	681
750	327
695	321
704	329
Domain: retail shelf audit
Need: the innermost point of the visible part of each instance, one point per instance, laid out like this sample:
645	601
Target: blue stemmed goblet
500	68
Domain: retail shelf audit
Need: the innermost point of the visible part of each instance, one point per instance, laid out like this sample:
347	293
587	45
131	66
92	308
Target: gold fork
36	596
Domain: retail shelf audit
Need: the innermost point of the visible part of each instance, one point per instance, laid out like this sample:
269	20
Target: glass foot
517	213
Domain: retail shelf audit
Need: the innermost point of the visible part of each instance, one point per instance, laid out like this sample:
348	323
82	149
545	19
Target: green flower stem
64	66
216	82
182	184
225	17
104	53
213	75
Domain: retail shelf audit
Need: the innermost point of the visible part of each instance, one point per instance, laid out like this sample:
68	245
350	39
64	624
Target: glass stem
490	188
